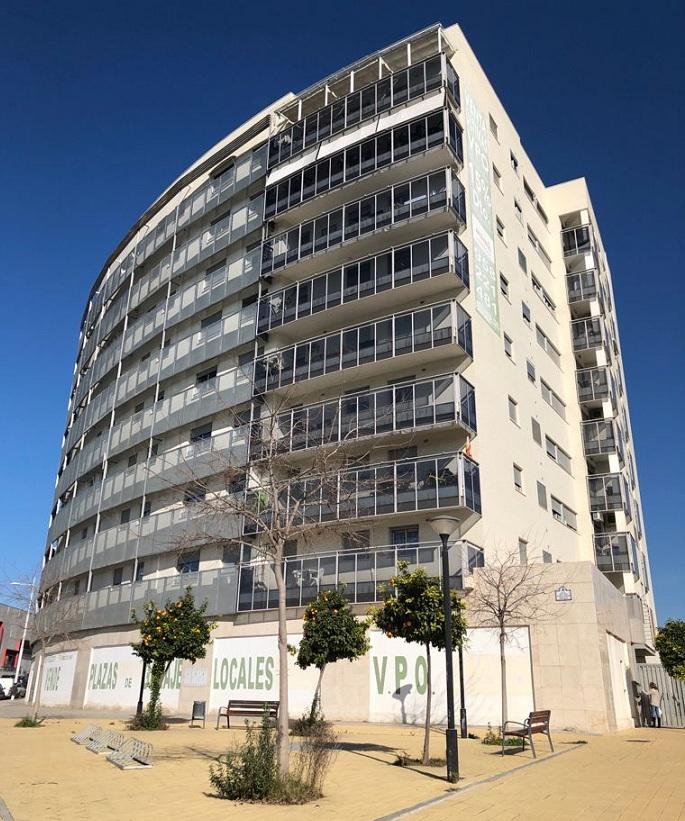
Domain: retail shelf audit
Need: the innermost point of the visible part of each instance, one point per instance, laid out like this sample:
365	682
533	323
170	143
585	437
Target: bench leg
549	738
532	746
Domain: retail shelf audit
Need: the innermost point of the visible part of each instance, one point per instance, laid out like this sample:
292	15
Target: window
117	576
497	177
523	263
542	495
493	128
140	571
535	242
132	459
504	286
147	509
525	313
206	376
395	454
518	211
194	494
523	551
530	370
154	449
125	516
513	410
290	547
542	293
231	554
508	347
557	454
210	320
139	407
545	343
84	533
546	557
518	478
189	562
552	399
536	430
203	432
514	162
563	514
401	536
500	229
160	394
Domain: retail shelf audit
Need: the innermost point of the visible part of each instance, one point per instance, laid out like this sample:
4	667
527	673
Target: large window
361	105
363	158
365	277
430	327
391	205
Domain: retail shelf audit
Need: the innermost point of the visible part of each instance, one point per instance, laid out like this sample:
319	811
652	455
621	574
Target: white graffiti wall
58	678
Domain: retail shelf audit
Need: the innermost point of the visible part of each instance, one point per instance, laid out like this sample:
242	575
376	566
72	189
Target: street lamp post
446	526
32	585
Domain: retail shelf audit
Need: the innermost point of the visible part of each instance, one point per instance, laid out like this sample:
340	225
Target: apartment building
377	259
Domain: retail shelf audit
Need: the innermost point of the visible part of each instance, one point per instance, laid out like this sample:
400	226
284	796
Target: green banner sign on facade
482	257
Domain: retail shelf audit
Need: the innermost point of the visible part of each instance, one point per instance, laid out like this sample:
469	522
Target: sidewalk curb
452	794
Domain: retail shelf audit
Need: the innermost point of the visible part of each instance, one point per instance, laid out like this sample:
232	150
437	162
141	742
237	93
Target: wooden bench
132	755
250	709
537	722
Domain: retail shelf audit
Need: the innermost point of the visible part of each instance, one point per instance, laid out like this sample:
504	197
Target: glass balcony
582	287
448	481
364	104
365	573
425	194
382	412
577	241
445	325
363	278
616	553
595	385
364	158
609	493
602	436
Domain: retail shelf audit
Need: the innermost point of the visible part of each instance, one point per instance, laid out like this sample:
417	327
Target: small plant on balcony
331	633
179	630
413	610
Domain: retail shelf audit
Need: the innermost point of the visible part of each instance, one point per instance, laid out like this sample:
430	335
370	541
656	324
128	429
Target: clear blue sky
103	104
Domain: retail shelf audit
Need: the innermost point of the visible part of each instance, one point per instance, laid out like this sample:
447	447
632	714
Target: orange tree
412	610
179	630
331	633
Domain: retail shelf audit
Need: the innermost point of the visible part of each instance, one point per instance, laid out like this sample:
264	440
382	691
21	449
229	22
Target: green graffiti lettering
215	683
400	670
91	677
224	673
242	678
421	675
269	672
250	680
232	673
115	674
380	674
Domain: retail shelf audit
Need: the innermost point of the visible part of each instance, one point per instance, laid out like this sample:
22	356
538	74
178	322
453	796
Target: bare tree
286	476
506	594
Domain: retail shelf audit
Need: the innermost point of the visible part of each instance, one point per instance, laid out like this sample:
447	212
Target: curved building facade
377	256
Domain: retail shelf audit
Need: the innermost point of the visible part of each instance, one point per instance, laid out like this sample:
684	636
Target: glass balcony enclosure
365	573
363	104
366	277
588	334
577	240
451	480
582	287
417	404
609	492
602	436
429	328
595	385
437	191
362	158
616	553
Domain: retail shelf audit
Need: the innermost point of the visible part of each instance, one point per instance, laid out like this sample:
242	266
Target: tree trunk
429	687
156	677
317	695
283	726
503	671
36	700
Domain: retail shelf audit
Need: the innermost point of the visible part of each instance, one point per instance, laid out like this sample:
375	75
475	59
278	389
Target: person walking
655	698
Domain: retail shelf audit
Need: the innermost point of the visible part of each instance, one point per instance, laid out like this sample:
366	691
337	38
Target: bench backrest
539	719
256	707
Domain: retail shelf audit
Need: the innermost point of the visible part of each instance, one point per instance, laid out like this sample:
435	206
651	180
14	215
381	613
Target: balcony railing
363	158
408	406
616	553
602	436
609	492
588	334
577	240
410	332
582	287
366	277
451	480
595	384
364	573
437	191
372	100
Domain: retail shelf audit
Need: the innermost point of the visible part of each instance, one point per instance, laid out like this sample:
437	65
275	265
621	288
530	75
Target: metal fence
672	691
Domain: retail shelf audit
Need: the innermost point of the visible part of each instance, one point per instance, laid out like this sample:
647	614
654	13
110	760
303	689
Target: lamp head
444	525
